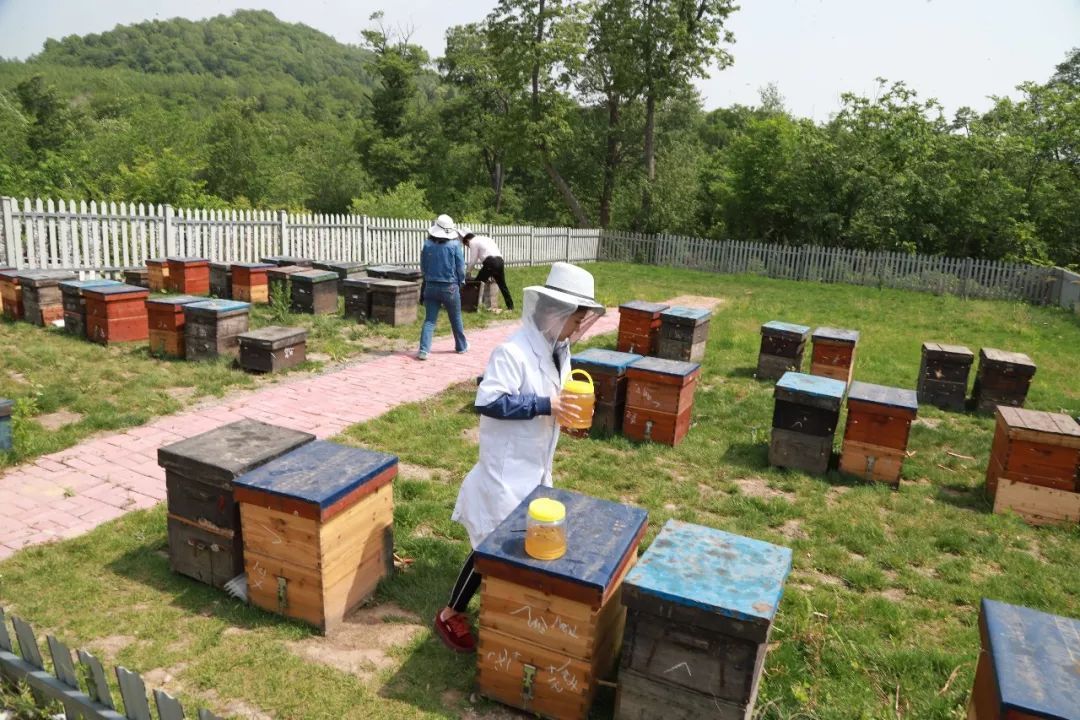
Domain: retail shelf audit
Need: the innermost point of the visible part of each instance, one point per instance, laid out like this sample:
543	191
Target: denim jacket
443	262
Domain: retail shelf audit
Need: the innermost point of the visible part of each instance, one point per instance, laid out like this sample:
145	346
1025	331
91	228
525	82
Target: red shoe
456	633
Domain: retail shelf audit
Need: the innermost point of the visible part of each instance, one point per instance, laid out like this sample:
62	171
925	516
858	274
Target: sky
958	51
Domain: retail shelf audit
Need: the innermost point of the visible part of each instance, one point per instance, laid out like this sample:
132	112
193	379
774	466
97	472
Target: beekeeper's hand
566	414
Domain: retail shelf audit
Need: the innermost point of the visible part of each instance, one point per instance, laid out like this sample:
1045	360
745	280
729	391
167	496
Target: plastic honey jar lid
579	387
546	510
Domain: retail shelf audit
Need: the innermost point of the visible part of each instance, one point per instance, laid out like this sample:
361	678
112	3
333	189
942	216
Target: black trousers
467	584
493	268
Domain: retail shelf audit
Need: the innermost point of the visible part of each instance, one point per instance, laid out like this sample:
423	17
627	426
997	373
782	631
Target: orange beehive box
11	294
659	399
1033	447
250	282
834	353
876	436
639	326
165	317
116	313
158	274
188	275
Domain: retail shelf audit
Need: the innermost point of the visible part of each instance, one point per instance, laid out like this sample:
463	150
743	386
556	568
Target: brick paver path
70	492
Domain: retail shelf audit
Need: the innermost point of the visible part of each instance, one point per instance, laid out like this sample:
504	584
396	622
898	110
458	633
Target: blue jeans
442	295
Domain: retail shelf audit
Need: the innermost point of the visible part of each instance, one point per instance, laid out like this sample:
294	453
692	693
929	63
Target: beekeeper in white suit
520	410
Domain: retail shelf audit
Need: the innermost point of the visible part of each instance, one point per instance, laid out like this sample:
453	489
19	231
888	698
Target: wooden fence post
568	231
365	252
170	233
10	254
284	230
532	246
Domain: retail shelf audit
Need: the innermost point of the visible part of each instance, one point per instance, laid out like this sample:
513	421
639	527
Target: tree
52	123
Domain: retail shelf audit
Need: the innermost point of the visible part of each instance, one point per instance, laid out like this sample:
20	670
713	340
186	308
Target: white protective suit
516	455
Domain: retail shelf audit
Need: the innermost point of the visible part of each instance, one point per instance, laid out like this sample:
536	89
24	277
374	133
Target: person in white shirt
484	252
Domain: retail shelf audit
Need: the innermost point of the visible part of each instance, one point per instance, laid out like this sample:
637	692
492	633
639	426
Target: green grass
884	593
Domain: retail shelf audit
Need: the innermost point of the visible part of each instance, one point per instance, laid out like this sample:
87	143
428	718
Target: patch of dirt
17	377
697	301
671	507
235	631
362	646
925	571
164	678
893	595
759	488
318	357
423	530
820	578
472	434
182	393
500	713
707	491
792	530
419	472
58	419
834	493
234	708
111	646
928	422
856	557
988	570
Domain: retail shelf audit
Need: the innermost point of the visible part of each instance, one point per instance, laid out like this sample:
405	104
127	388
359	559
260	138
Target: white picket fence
105	238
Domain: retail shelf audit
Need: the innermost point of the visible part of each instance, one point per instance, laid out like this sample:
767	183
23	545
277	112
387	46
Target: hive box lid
322	475
883	395
5	407
74	287
778	327
395	286
222	454
223	265
218	308
189	260
174	300
643	306
814	385
255	266
341	268
837	335
363	282
660	366
314	276
600	536
286	260
958	350
382	268
606	359
115	289
1004	356
281	271
686	315
157	261
1034	657
273	337
712	570
44	278
10	274
1043	427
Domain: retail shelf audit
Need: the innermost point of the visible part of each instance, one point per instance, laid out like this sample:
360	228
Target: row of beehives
663	331
1034	467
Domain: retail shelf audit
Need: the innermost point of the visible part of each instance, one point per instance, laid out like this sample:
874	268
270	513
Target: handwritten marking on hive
277	538
260	575
683	665
541	625
504	659
562	678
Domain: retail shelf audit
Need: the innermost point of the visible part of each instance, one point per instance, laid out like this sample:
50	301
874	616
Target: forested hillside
552	112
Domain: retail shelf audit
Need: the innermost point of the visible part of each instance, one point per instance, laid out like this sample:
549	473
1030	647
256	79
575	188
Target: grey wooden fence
63	685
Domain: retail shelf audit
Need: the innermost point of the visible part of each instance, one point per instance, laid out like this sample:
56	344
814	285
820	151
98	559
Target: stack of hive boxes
116	313
683	334
660	399
782	348
139	277
250	282
166	318
876	436
318	530
344	271
157	274
75	304
607	369
834	353
11	294
700	606
212	328
394	302
639	327
43	303
358	298
272	348
1034	465
1003	378
280	285
221	280
805	417
205	539
550	630
943	375
188	276
314	292
1027	669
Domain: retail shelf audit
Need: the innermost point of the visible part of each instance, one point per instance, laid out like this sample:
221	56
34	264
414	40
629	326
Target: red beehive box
876	437
165	316
157	274
834	353
639	326
250	282
11	294
1035	448
660	399
189	275
116	313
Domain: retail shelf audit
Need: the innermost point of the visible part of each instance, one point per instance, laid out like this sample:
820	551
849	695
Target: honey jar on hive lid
579	395
545	531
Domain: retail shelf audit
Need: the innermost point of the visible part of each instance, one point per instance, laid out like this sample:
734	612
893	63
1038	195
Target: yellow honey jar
545	531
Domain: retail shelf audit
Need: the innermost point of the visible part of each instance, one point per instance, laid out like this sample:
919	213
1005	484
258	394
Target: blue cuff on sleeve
524	406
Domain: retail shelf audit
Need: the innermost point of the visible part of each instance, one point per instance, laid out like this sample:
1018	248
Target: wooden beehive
6	437
876	435
165	316
782	348
470	296
550	630
188	275
394	302
221	281
700	606
1003	378
1027	667
314	292
11	294
607	368
358	298
805	417
75	304
205	539
943	375
212	328
139	277
639	327
2	281
279	284
157	274
286	260
116	313
318	531
344	271
251	282
404	274
381	271
659	400
42	301
683	334
833	355
273	348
